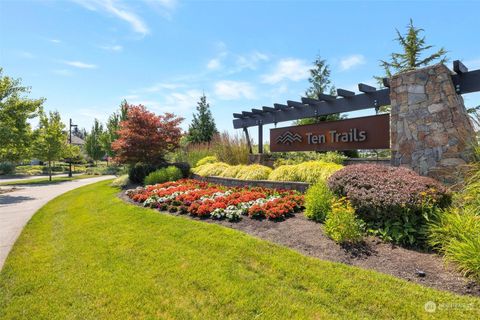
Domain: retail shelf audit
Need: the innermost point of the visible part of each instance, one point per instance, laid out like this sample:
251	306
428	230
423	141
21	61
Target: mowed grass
45	180
88	255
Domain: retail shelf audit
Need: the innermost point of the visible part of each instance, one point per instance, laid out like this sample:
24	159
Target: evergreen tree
50	139
93	144
413	46
202	128
320	84
112	127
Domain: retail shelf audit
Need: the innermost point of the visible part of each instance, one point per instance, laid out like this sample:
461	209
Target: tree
15	111
93	145
202	128
320	84
50	139
145	137
112	127
413	46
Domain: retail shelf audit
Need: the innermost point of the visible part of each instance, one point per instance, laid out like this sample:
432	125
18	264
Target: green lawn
88	255
45	180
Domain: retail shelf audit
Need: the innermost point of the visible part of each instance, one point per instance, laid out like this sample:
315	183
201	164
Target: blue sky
84	57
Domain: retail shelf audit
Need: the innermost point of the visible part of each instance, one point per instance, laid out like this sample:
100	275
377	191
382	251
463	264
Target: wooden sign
371	132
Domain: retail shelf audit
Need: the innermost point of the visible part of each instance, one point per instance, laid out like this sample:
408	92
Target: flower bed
203	199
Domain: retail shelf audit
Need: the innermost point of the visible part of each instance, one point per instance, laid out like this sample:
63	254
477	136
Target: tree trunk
49	171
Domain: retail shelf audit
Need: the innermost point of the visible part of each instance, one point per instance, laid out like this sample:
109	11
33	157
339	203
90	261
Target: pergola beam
345	93
362	87
459	67
316	108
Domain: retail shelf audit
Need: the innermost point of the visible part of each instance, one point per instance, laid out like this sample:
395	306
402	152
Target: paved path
11	178
17	207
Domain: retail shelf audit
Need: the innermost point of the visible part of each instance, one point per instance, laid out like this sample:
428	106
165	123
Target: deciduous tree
50	139
15	111
145	137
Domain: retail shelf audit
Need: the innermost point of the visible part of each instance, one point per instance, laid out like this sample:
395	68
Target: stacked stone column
430	129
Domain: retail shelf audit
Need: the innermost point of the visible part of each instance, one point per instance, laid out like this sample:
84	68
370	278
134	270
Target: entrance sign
371	132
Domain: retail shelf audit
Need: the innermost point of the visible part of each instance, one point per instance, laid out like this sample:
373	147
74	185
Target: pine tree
413	46
320	84
202	128
112	127
93	145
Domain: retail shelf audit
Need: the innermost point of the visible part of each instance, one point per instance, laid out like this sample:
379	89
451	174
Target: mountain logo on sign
288	138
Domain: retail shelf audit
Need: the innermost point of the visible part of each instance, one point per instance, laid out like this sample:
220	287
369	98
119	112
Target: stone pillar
430	129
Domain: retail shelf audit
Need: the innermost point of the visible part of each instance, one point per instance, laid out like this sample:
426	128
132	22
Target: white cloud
116	48
55	41
288	69
80	64
250	61
180	103
117	9
231	90
214	64
352	61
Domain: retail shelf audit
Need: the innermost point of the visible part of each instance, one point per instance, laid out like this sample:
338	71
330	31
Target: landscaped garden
88	254
198	226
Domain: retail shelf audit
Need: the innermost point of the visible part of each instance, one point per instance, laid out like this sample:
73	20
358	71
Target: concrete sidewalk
17	207
26	178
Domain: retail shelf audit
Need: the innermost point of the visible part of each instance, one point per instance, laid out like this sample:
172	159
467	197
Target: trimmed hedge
396	202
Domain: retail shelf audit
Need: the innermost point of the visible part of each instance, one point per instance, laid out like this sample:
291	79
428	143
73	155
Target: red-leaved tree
145	137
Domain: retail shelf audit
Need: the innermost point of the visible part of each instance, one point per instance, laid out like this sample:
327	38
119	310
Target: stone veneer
430	129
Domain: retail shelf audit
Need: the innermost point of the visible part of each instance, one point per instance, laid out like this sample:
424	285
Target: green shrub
318	201
139	171
24	169
211	169
300	157
205	160
342	225
121	181
457	235
310	172
232	171
7	168
254	172
170	173
284	173
184	168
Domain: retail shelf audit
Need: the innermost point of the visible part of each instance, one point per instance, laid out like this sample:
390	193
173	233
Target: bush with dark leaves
396	203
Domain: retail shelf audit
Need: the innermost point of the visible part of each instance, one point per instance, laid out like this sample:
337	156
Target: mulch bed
307	237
